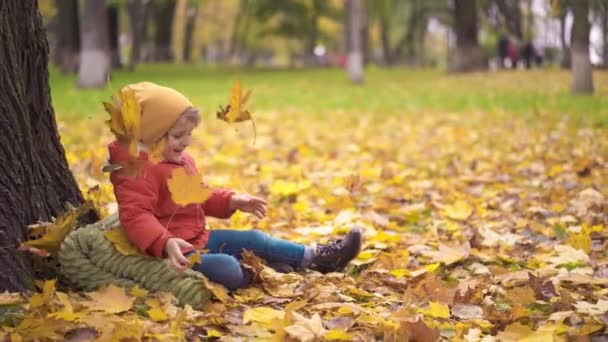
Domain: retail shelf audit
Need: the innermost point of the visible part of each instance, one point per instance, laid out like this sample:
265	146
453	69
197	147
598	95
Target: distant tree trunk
68	36
354	63
385	39
605	35
95	60
191	14
467	55
138	18
565	62
35	180
113	31
365	39
511	11
313	36
237	24
164	11
582	76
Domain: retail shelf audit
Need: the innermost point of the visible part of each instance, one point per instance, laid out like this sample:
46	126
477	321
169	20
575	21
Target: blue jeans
224	247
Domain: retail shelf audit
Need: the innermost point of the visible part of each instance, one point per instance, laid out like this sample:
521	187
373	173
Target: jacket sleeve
137	197
218	204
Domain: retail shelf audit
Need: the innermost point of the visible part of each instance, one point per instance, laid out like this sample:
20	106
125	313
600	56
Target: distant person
528	54
513	54
503	44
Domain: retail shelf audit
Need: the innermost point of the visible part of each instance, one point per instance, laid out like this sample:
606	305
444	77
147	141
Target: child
159	227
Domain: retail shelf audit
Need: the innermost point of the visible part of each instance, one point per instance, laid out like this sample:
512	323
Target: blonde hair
192	115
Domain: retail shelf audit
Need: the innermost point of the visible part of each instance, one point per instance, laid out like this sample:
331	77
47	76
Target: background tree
603	16
68	36
191	15
354	64
113	32
467	55
138	11
35	181
95	60
511	17
164	12
582	76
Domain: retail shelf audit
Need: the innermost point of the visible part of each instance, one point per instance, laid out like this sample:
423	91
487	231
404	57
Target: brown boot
334	256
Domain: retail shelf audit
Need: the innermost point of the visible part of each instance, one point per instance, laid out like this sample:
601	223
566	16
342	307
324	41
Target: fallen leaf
122	243
111	299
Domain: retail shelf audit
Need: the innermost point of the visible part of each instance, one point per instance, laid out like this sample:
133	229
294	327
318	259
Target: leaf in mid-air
235	110
125	119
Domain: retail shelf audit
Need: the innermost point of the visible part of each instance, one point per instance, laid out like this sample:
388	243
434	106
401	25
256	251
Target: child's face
178	138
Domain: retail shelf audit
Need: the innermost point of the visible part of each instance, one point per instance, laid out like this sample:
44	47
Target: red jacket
146	211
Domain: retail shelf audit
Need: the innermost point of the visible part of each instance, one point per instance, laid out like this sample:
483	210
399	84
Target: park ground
482	197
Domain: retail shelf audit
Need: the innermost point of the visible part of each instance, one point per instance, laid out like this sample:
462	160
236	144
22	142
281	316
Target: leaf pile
477	227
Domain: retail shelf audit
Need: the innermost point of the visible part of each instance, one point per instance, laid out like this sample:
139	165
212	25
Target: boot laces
329	249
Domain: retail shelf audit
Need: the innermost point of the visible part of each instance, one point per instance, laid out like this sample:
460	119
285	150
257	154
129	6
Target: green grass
385	92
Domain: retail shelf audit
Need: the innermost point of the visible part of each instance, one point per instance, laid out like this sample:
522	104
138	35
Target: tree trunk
582	76
68	36
113	30
511	11
467	55
35	181
191	15
385	40
164	11
565	62
138	17
605	35
95	58
354	63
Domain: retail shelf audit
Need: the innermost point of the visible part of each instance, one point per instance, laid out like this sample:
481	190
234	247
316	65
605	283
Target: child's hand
174	253
249	204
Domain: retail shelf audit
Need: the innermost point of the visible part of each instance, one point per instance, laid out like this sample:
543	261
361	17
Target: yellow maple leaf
235	110
437	310
263	315
194	258
48	290
122	243
111	299
115	122
56	231
138	292
219	291
155	152
186	189
125	121
156	312
460	210
338	335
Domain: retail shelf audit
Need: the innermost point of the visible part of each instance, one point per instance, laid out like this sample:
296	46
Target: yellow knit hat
160	109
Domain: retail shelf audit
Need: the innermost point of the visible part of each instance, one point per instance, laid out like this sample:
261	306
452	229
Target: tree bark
164	11
511	11
68	36
582	75
467	55
565	62
138	17
385	39
191	15
95	58
113	30
35	180
354	63
605	34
